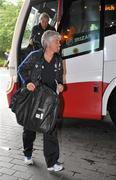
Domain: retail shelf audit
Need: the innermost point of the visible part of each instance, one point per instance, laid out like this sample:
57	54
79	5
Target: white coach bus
88	30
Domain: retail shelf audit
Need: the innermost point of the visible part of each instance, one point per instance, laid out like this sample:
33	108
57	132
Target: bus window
36	10
80	27
110	17
32	20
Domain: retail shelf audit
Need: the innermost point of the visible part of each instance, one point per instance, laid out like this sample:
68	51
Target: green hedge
2	61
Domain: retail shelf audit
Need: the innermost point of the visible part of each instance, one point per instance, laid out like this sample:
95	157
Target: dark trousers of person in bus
50	145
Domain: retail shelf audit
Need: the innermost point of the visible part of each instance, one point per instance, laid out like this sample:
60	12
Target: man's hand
30	86
60	88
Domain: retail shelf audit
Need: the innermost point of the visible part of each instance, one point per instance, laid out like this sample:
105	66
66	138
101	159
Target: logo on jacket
57	67
36	66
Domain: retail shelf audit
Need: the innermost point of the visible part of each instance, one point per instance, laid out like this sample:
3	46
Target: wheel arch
108	94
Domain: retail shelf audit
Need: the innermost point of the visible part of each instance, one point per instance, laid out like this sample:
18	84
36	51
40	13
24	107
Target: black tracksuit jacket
30	69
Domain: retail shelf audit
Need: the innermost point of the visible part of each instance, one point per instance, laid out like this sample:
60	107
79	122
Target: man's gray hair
48	36
44	15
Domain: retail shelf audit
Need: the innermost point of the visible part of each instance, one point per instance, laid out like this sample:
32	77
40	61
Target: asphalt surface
87	148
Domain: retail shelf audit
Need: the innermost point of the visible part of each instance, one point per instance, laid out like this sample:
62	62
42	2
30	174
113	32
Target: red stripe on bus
82	100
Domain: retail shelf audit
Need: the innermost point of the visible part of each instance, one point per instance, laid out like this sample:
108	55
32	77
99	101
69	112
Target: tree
8	16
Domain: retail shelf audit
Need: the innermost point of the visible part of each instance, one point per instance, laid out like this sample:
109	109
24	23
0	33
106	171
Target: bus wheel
112	109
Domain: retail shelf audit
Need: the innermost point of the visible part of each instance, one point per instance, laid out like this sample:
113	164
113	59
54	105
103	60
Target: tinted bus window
80	27
31	20
110	17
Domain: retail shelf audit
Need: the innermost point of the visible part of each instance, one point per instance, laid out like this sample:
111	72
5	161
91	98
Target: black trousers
50	145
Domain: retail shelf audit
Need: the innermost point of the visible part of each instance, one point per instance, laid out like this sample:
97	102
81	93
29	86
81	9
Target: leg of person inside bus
51	151
28	139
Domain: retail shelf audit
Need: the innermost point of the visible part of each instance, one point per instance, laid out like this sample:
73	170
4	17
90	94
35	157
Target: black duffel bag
20	103
36	111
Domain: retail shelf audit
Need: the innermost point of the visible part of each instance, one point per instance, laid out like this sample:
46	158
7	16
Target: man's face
44	23
55	45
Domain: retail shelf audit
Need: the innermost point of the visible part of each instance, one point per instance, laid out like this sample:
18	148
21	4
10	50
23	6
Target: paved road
88	150
4	79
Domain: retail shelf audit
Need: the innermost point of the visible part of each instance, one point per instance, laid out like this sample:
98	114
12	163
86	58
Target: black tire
112	109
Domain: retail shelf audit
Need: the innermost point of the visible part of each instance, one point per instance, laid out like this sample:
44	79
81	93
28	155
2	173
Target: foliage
8	17
2	61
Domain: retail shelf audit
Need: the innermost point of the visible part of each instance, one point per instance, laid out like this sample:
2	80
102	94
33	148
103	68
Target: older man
52	76
39	29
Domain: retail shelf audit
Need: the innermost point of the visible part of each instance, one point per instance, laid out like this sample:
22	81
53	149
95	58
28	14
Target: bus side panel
82	100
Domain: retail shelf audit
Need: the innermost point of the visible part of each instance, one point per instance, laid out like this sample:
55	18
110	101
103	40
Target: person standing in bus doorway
38	30
51	65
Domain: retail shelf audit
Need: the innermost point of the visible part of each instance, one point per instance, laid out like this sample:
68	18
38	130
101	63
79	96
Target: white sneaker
28	160
56	167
